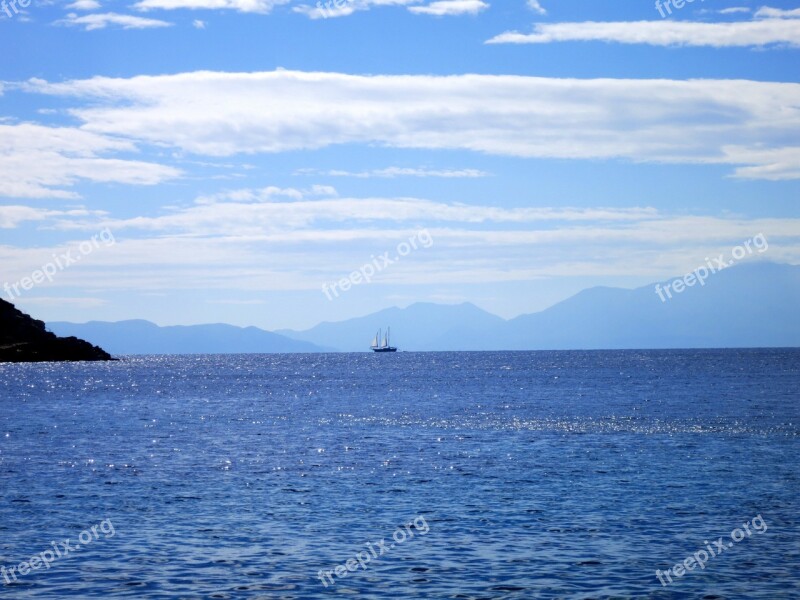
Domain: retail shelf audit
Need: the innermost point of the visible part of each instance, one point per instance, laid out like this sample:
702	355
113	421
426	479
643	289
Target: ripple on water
546	475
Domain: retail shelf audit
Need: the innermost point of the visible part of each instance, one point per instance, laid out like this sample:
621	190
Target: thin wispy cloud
775	164
253	244
443	8
393	172
345	8
44	162
733	10
103	20
84	5
535	6
766	12
243	6
274	210
12	216
776	28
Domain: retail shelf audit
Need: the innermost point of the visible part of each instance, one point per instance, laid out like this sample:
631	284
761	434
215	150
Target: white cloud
236	302
734	10
392	172
12	216
442	8
59	301
325	9
536	7
198	24
103	20
221	114
267	194
766	12
662	33
290	244
774	164
295	215
244	6
38	161
84	5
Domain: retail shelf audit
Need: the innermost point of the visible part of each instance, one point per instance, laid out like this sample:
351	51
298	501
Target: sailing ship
379	345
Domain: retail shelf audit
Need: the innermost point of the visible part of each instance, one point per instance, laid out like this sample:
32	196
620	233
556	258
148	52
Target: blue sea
413	475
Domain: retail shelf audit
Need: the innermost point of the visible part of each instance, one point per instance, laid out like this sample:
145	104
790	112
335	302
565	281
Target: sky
279	163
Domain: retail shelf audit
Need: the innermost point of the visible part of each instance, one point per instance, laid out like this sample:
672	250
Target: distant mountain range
748	305
144	337
421	326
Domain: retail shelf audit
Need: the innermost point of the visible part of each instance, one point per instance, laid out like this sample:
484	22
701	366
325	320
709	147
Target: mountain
748	305
421	327
144	337
24	339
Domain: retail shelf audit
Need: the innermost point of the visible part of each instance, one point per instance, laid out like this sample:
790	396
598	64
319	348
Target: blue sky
242	153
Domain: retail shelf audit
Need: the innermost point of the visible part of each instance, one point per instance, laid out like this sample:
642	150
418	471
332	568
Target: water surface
539	474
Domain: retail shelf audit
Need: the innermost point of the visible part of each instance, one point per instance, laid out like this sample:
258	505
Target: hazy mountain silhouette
748	305
421	326
144	337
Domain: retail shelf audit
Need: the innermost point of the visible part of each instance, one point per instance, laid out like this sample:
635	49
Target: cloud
198	24
222	114
536	7
325	9
286	243
734	10
777	164
267	194
443	8
392	172
101	21
12	216
293	214
84	5
765	12
60	301
38	161
243	6
236	302
662	33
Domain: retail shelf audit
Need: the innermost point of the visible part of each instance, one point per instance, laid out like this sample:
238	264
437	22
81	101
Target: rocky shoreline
25	339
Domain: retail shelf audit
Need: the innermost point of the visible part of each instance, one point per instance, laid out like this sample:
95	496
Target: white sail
383	342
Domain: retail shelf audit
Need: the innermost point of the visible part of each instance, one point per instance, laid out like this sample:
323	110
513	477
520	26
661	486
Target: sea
595	474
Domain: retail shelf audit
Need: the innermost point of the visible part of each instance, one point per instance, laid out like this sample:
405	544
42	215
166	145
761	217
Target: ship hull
384	349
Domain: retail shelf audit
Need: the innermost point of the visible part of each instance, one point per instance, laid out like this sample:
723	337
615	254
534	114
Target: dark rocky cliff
24	339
